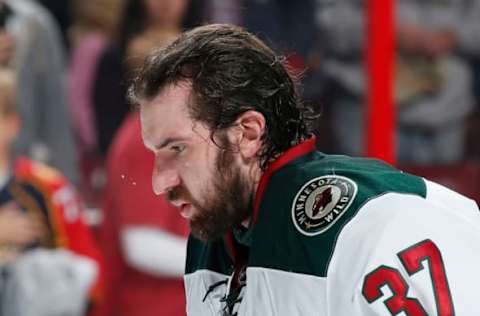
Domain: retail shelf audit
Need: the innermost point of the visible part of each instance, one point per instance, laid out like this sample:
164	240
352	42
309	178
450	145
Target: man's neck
255	173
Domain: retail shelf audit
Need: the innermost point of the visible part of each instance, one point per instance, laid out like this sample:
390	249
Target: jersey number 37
412	259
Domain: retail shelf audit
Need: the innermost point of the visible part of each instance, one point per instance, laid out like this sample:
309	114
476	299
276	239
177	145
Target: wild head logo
321	202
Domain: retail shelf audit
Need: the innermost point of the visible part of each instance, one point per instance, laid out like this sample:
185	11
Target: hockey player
278	227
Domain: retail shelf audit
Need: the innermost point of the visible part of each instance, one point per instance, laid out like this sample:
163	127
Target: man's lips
184	208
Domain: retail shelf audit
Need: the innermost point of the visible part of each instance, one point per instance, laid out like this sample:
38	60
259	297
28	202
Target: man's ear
248	132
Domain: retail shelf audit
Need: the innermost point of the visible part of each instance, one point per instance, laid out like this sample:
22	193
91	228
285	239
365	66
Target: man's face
202	178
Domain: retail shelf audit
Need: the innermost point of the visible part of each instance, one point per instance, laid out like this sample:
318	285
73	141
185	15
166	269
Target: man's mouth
186	210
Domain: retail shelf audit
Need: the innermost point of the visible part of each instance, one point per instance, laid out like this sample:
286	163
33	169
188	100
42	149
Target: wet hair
231	72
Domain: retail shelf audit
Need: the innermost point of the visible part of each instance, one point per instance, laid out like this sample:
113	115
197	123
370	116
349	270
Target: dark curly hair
231	72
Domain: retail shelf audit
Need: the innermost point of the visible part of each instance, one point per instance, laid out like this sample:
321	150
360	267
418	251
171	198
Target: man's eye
177	148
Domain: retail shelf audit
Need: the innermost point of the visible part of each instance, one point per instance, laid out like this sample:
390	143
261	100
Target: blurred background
398	80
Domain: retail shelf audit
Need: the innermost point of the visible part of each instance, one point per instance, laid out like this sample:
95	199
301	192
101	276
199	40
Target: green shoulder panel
307	203
211	256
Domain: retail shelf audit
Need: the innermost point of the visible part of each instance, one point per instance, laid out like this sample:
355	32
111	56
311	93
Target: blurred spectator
433	83
96	22
144	22
142	236
225	11
39	209
38	57
62	12
289	26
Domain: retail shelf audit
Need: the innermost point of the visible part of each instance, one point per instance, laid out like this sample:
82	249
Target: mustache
173	195
178	193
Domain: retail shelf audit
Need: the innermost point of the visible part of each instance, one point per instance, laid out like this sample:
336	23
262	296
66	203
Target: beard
228	201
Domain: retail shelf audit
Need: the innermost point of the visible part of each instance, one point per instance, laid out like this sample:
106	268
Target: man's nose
164	179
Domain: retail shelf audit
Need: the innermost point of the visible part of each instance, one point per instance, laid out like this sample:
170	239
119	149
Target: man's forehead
172	99
181	89
166	115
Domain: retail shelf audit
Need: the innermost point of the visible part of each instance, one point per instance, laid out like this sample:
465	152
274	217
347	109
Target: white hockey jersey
341	236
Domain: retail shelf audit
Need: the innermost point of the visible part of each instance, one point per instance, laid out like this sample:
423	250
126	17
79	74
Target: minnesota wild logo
321	202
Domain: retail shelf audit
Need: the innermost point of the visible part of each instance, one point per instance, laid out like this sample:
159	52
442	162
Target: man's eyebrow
167	142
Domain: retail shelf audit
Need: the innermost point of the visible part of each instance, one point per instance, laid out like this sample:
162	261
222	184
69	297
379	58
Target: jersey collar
293	153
